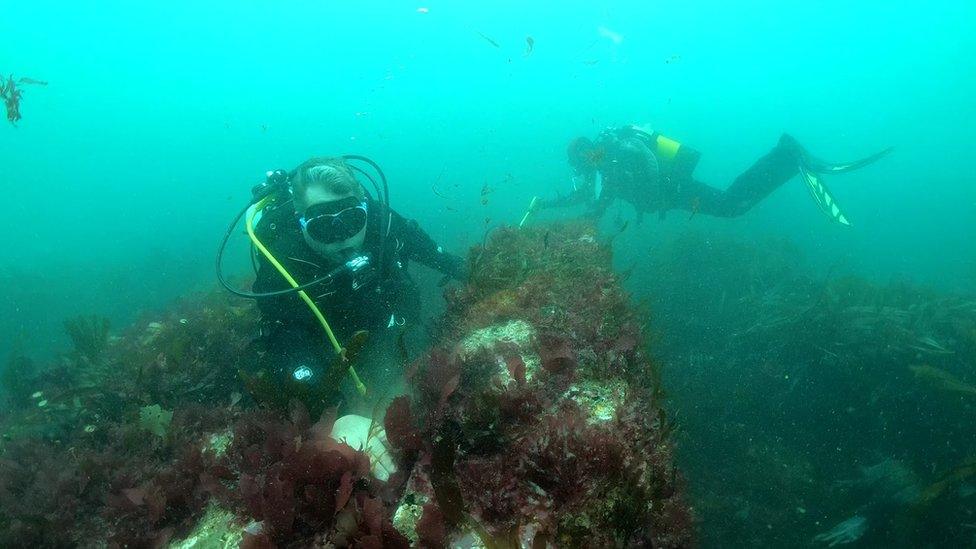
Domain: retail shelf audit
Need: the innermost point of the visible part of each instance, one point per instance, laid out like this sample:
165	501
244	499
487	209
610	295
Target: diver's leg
779	165
765	176
750	188
697	197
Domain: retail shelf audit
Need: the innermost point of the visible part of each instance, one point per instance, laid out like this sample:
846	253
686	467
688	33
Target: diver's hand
455	269
460	276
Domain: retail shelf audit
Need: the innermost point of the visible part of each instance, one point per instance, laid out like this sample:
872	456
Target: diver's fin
819	166
823	198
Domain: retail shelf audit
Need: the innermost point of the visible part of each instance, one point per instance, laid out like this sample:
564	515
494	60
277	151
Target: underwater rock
218	529
82	471
538	412
598	399
535	419
217	443
409	513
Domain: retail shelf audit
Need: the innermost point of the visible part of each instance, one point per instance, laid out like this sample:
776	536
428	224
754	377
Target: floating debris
485	192
489	40
613	36
11	95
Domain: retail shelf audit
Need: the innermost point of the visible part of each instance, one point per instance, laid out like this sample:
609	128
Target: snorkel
277	186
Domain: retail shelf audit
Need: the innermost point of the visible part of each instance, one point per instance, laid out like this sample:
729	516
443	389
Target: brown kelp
89	334
11	95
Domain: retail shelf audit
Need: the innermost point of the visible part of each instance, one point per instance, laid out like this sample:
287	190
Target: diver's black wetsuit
632	172
373	298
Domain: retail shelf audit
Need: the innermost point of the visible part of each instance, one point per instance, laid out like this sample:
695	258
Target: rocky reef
534	420
798	392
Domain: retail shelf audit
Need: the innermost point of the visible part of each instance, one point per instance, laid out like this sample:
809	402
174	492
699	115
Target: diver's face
588	160
318	200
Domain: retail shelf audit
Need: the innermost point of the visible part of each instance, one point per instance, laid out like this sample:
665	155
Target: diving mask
331	222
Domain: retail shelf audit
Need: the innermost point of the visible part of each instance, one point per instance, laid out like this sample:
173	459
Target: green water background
159	117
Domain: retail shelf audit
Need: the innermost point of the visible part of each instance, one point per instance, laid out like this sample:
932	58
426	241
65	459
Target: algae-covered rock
409	512
598	399
516	332
511	346
155	419
217	443
539	409
217	529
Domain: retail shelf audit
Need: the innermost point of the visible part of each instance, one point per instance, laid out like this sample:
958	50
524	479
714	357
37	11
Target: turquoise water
160	116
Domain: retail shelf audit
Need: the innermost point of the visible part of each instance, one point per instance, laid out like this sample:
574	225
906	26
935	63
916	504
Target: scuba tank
674	159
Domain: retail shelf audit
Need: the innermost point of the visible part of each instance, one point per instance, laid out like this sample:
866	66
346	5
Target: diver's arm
420	247
579	195
596	208
582	193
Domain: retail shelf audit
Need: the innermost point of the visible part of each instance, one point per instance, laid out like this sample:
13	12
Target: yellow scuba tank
675	161
665	148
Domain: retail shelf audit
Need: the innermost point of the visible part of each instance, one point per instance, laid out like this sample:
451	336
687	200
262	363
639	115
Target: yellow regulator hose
340	351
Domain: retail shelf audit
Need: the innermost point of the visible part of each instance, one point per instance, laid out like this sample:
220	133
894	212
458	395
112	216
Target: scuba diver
332	264
655	174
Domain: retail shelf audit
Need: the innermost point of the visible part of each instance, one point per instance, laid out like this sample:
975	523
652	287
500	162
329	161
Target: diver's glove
454	268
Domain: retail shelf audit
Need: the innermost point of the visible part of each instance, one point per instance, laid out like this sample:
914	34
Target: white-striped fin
823	198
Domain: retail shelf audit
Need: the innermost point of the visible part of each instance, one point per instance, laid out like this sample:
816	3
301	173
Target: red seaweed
431	528
399	425
523	458
557	353
516	369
